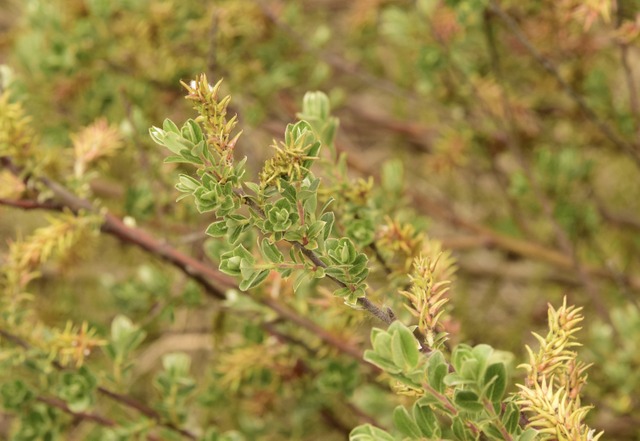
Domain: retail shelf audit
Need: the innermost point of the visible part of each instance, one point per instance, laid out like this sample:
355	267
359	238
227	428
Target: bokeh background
517	124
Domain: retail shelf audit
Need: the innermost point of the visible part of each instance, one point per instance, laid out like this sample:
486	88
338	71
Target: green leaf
281	215
381	341
312	153
341	251
235	232
256	279
125	337
404	346
426	421
294	235
194	131
351	299
255	188
38	423
176	363
217	229
77	389
15	394
328	218
271	252
437	369
326	205
319	273
237	262
528	435
359	264
511	417
461	353
309	201
367	432
300	279
174	381
492	431
383	363
247	269
288	192
455	379
157	135
471	369
461	431
405	424
177	144
315	105
170	126
482	353
173	159
495	379
336	272
329	133
430	400
361	231
198	150
468	400
187	184
296	132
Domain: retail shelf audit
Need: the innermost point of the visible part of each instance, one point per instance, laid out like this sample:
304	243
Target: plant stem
120	398
496	420
386	316
94	417
548	66
214	283
450	407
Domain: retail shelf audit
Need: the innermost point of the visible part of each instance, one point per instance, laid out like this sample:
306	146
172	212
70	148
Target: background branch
214	283
548	66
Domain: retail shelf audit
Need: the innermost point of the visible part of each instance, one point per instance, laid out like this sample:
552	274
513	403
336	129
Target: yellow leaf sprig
551	393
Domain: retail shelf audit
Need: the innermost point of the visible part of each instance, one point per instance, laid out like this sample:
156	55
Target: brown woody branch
548	66
214	283
88	416
28	204
513	141
386	316
120	398
486	237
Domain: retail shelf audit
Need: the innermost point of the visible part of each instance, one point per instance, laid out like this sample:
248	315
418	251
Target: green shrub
302	291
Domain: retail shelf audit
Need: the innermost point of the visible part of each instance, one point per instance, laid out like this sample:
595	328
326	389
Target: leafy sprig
283	206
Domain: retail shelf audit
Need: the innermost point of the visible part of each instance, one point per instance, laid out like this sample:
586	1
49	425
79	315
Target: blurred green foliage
502	164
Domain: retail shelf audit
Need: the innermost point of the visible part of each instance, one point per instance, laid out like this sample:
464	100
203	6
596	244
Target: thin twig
332	340
14	339
115	396
516	212
548	66
495	418
482	236
446	403
386	316
214	283
271	328
562	238
28	204
332	419
634	102
439	208
87	416
380	257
